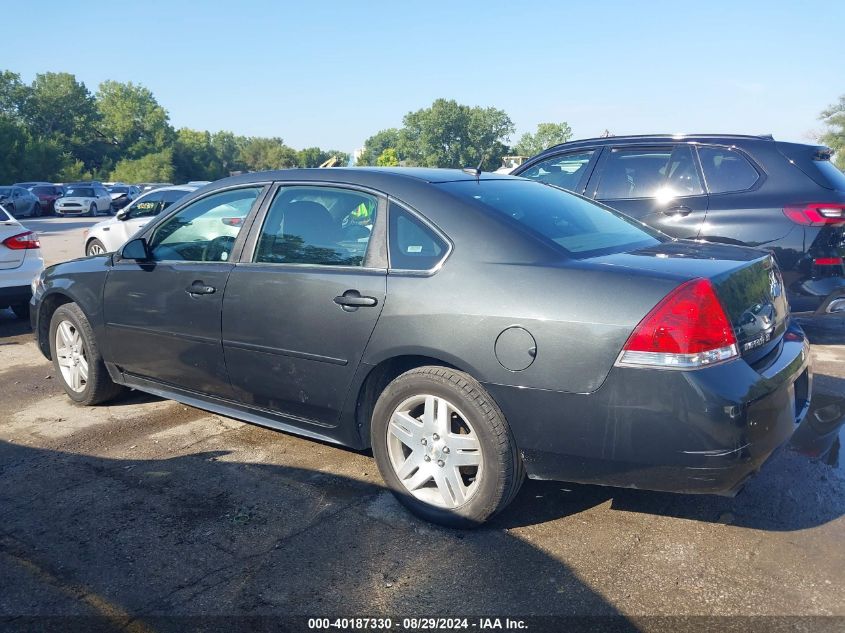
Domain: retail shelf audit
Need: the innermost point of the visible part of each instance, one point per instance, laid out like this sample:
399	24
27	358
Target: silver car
20	202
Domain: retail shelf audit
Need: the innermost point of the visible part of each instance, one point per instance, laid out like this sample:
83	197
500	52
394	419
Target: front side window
205	230
726	170
413	245
146	207
577	226
317	225
662	173
564	170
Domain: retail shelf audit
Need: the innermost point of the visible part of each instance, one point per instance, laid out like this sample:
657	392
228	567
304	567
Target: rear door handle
681	210
352	300
199	288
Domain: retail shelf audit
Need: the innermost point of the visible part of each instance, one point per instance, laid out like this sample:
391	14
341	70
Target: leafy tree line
834	118
55	129
449	134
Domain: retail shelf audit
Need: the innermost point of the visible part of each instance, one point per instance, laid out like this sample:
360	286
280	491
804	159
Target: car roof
659	138
375	177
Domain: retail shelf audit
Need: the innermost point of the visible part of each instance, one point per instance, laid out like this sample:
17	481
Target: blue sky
331	73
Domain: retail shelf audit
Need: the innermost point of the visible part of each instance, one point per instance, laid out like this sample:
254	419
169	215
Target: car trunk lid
746	281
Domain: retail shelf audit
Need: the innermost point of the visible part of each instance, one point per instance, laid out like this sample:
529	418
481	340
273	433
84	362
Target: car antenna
477	170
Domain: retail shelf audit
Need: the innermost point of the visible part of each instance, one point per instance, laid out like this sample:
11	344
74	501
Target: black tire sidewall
90	243
487	498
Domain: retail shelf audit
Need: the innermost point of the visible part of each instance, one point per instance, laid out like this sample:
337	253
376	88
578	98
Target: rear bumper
703	431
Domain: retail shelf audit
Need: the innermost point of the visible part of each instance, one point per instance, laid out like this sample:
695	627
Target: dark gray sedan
470	329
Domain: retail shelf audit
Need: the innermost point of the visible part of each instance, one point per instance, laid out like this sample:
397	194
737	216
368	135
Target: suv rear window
831	173
575	225
726	170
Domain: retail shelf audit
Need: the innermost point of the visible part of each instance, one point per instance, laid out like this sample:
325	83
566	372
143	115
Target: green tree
388	158
195	157
834	118
377	143
60	108
261	154
449	134
131	120
227	148
13	93
156	167
547	135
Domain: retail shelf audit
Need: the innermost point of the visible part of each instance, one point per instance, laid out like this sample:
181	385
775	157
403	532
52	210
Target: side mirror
123	214
137	249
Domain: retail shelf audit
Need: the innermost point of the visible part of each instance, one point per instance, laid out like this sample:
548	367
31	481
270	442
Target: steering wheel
217	248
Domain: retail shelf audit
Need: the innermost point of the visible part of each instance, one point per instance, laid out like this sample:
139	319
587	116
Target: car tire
95	247
36	210
92	210
446	486
21	310
77	337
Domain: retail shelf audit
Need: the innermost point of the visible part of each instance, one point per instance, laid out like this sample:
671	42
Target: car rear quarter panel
579	318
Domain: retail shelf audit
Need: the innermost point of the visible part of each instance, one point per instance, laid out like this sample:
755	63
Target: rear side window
726	170
413	245
562	170
580	227
170	197
666	172
831	173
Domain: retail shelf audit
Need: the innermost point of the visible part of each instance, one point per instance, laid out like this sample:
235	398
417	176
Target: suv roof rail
625	137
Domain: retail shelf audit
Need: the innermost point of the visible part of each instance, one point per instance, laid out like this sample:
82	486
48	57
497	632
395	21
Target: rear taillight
828	261
816	213
22	241
686	330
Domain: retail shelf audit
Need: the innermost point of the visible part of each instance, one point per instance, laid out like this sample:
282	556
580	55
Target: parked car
84	199
749	190
469	328
20	202
121	194
20	264
47	196
109	235
149	186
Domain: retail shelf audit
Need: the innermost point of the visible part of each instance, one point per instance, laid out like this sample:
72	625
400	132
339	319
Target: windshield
81	192
118	189
5	191
43	190
579	227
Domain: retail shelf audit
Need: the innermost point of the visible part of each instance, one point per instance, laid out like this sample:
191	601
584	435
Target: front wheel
92	210
95	247
77	359
444	448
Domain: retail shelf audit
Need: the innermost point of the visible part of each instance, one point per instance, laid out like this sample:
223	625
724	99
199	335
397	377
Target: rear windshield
831	173
579	227
80	193
120	189
43	190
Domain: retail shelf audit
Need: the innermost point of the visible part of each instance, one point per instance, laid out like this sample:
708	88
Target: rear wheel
21	310
444	447
36	211
77	359
95	247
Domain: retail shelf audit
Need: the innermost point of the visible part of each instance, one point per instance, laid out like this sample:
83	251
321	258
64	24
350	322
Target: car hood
77	199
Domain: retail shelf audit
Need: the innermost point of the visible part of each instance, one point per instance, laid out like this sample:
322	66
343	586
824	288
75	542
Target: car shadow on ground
204	534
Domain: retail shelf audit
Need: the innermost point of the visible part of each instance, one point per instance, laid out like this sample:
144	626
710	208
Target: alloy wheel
94	248
71	355
434	451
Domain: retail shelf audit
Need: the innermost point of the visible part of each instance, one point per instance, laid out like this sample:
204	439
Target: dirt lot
148	508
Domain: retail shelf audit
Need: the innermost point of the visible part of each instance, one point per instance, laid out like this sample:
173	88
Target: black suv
748	190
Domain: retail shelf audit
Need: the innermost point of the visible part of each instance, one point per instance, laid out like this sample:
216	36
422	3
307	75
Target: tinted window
317	225
649	173
413	245
575	225
5	191
831	173
563	170
146	207
205	230
81	192
726	170
43	191
120	189
171	196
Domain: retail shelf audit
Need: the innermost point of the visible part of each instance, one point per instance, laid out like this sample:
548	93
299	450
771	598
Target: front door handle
680	210
199	288
352	300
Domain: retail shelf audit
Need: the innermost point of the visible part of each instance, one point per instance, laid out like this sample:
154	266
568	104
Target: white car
84	199
109	235
20	263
